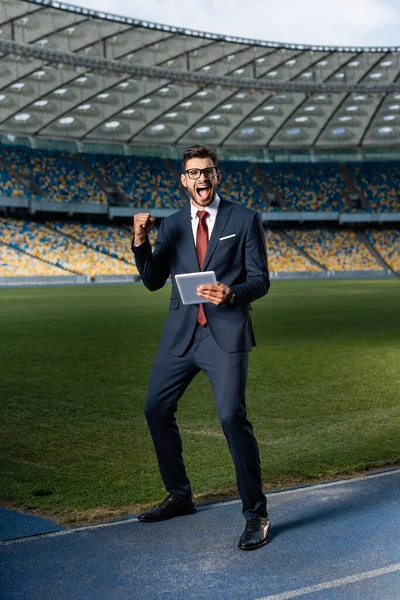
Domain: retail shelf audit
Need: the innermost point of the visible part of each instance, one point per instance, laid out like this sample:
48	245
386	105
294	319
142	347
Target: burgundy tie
201	249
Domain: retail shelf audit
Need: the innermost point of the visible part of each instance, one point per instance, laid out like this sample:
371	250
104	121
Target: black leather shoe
255	533
172	506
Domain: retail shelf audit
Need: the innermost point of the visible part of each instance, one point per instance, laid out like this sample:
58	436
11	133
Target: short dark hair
198	151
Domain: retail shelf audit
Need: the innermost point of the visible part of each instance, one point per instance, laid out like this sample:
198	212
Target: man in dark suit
209	233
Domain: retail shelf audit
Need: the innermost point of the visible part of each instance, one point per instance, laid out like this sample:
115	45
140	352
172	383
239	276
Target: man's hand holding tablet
196	288
217	294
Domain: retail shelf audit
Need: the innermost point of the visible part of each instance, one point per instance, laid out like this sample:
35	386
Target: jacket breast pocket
174	304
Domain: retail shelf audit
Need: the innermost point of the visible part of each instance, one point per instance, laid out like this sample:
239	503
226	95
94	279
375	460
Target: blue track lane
334	541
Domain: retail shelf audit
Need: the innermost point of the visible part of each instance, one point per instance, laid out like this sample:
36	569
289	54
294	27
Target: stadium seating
111	240
379	183
304	187
9	186
282	257
240	184
149	183
65	247
335	250
60	176
145	182
15	263
59	250
387	243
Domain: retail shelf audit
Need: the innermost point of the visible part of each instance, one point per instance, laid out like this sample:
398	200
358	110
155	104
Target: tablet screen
189	282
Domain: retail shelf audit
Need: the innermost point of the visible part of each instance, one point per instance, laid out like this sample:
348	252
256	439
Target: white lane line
68	531
295	490
307	487
327	585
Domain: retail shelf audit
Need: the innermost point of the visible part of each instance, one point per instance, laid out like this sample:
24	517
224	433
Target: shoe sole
157	520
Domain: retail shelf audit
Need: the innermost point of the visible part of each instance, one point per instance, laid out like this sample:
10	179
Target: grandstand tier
146	182
55	247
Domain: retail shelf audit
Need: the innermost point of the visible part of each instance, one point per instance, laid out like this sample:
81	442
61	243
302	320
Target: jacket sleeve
153	267
257	279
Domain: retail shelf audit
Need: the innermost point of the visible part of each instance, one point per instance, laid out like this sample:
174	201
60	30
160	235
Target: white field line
327	585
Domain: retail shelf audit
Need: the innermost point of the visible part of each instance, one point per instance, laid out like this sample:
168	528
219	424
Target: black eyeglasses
209	173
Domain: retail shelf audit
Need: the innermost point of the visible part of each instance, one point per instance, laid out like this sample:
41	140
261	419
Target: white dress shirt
212	210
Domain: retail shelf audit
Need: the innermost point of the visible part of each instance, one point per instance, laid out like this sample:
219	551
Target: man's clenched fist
143	223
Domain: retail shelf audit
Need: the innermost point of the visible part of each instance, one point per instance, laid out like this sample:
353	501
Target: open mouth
203	191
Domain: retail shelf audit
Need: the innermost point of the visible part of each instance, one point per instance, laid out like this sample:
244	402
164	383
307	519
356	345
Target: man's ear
219	176
183	179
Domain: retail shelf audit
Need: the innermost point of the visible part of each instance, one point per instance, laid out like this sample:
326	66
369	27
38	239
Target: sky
331	22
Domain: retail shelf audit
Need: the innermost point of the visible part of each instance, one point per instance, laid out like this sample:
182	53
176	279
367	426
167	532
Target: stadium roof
72	73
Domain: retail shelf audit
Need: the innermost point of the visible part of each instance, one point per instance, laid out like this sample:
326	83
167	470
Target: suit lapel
224	210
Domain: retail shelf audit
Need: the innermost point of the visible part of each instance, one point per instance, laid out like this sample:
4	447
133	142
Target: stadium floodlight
247	131
66	120
203	129
22	117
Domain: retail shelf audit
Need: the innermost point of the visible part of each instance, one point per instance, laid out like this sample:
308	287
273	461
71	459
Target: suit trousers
227	373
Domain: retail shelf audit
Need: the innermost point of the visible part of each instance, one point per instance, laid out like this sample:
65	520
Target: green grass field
323	394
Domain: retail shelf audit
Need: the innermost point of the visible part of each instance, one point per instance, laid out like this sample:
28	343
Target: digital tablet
189	282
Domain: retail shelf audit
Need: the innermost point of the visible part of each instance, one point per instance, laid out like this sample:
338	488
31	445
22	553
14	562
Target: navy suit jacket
239	261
